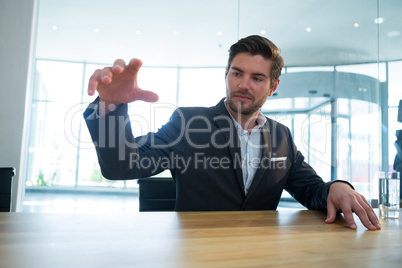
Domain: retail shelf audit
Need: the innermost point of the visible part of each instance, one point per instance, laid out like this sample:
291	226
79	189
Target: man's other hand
342	197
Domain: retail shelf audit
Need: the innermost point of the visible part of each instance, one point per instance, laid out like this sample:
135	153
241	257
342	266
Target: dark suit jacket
201	148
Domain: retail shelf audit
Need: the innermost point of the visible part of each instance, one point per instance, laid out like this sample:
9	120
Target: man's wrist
346	182
105	107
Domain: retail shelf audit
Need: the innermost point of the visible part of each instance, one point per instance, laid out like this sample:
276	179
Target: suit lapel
265	156
228	130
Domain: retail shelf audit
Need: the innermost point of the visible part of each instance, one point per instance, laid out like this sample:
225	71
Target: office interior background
339	91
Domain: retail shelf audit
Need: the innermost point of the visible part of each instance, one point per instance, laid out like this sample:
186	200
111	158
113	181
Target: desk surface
294	238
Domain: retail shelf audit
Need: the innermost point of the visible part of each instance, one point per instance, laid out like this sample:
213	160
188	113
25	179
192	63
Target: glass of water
389	190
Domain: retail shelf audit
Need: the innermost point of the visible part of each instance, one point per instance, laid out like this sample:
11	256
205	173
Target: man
226	157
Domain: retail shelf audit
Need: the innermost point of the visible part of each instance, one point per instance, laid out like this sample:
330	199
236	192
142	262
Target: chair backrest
6	175
157	194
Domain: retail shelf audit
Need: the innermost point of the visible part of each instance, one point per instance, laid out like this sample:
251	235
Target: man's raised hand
118	84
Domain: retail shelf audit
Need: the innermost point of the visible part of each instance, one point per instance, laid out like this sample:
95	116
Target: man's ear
274	87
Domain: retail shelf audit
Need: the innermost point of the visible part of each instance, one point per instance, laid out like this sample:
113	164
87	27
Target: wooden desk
297	238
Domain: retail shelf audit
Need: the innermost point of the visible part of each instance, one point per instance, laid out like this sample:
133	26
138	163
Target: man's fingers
331	212
373	218
93	82
348	214
106	75
361	213
368	214
120	82
118	66
135	64
345	198
133	67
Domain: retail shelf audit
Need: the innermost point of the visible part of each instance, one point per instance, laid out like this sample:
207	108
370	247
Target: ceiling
199	33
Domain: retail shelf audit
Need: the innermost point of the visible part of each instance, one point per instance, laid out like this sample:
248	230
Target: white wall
17	20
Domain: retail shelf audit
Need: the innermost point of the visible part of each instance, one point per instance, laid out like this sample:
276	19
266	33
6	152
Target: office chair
6	175
157	194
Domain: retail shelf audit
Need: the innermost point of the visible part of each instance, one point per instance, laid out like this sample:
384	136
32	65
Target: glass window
394	125
394	84
201	86
162	81
58	81
310	69
364	150
373	69
61	152
320	142
147	117
278	105
301	134
52	157
344	149
89	70
394	97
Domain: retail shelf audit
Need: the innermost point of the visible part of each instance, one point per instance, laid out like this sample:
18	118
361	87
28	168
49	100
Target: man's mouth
241	97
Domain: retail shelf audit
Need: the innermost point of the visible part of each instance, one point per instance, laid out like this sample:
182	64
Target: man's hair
258	45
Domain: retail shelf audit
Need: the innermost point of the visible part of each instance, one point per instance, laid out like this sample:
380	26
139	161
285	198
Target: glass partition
338	93
339	131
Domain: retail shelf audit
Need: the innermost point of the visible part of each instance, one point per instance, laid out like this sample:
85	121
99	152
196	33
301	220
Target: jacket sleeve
304	184
120	155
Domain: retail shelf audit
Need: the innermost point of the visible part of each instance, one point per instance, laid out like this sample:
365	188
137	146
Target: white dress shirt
250	149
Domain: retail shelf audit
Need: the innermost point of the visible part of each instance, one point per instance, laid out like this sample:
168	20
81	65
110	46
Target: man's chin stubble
239	110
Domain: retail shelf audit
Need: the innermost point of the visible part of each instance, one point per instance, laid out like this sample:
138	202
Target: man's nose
244	83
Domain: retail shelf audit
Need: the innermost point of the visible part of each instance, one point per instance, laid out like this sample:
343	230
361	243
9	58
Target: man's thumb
147	96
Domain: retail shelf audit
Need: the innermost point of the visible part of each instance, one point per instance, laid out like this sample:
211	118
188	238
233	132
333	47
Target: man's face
248	83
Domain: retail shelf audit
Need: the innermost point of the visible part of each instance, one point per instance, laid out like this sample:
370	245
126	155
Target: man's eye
257	79
236	74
